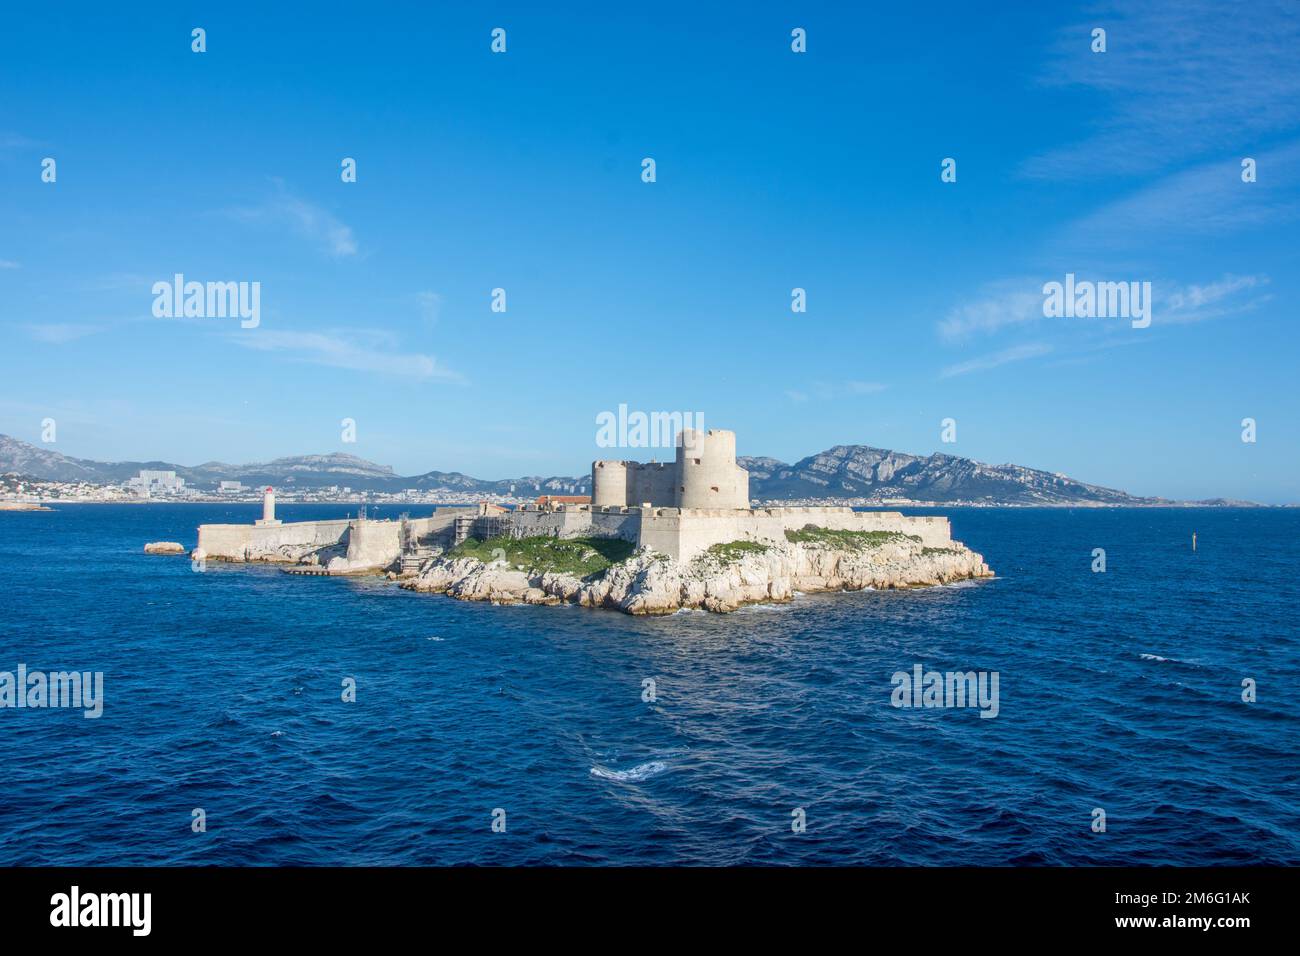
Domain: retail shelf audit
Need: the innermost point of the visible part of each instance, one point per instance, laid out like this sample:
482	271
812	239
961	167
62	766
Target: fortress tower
707	473
704	475
609	486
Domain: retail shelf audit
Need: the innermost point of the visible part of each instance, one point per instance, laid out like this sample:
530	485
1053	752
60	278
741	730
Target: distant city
167	486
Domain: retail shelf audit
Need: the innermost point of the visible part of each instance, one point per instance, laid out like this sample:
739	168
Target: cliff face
648	583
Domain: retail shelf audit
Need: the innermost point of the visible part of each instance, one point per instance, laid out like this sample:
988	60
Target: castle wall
373	544
577	522
370	544
377	544
284	542
684	533
655	482
680	533
437	528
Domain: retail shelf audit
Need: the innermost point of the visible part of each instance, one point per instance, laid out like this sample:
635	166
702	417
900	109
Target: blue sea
1119	691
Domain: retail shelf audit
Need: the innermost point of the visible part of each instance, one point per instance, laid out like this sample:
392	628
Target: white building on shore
149	483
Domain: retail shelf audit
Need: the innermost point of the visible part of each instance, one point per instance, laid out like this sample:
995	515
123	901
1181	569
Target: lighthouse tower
268	509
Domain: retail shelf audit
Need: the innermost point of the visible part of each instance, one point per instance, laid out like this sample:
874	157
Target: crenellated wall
576	522
683	533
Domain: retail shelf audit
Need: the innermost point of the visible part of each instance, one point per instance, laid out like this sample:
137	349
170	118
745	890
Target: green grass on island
580	557
733	551
846	540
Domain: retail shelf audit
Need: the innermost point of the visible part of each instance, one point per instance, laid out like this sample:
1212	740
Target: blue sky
775	170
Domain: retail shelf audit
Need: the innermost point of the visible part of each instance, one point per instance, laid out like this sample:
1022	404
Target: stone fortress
705	475
679	508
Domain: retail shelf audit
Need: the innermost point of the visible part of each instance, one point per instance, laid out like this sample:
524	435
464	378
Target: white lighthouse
268	509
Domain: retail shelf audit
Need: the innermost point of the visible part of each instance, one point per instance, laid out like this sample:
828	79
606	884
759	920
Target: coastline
722	580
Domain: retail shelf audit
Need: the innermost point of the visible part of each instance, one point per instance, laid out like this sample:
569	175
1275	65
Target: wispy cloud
1017	302
1195	73
59	333
1007	302
1084	354
1207	200
1196	303
430	306
12	141
8	264
864	388
307	219
359	350
1016	354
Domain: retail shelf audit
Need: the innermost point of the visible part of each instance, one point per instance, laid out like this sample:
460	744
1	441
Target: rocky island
652	538
610	573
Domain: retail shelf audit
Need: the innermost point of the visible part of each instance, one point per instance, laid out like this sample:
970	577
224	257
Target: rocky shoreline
722	580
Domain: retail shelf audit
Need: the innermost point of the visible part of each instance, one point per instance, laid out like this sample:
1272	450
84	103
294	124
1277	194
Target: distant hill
301	471
19	456
845	472
860	471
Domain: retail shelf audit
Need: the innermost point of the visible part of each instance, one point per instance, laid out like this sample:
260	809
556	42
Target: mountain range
845	472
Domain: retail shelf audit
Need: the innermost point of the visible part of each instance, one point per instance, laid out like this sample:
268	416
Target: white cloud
59	333
1016	354
9	264
1009	302
1206	200
1183	77
1196	303
355	350
993	312
864	388
309	220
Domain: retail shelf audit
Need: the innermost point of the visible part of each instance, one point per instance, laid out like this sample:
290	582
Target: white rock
649	583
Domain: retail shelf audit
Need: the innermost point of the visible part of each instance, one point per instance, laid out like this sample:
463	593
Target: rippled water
1118	690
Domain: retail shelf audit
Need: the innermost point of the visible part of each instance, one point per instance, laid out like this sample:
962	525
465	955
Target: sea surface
1119	691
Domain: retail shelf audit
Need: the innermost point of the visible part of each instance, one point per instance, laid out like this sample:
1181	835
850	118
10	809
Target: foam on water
632	775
